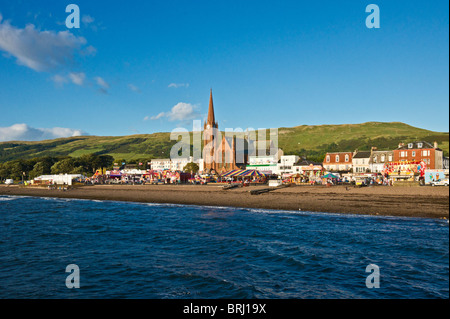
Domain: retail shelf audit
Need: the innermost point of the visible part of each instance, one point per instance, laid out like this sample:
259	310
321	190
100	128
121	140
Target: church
219	157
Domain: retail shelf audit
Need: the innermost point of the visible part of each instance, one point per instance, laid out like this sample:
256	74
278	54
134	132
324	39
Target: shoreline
428	202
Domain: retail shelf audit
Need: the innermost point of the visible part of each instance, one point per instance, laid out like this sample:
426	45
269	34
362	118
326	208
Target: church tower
211	120
218	156
208	137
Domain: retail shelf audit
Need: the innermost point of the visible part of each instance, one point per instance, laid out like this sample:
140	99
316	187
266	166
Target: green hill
306	140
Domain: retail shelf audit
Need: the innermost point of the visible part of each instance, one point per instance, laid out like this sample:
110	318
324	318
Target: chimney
401	145
435	144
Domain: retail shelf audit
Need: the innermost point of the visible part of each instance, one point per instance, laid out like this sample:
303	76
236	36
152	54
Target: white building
361	162
286	164
179	163
305	166
59	179
265	164
161	164
171	164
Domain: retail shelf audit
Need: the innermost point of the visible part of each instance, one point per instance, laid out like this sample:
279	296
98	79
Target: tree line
32	168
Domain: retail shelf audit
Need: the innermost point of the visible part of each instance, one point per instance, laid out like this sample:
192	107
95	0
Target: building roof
305	162
415	145
382	152
339	153
341	158
363	154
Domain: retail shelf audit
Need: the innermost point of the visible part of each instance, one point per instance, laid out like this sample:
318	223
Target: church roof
211	118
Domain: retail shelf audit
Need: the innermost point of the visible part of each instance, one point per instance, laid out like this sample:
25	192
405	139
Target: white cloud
87	19
134	88
100	81
89	51
59	79
180	112
88	22
104	86
77	78
39	50
23	132
178	85
157	117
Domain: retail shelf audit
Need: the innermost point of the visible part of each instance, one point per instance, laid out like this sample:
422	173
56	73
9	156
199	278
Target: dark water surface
133	250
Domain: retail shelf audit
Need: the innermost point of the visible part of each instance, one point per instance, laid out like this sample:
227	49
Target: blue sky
147	66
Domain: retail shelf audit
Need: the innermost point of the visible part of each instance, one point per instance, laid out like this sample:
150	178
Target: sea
70	248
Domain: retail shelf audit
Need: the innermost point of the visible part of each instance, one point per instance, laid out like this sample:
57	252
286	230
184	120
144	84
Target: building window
413	153
383	158
328	158
419	145
337	158
347	158
410	145
390	158
374	159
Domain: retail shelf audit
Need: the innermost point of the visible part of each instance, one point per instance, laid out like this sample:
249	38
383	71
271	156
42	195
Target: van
9	181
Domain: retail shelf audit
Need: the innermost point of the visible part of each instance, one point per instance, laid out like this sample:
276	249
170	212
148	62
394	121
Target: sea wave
4	198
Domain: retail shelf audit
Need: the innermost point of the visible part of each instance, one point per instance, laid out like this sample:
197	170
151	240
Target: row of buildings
375	161
345	163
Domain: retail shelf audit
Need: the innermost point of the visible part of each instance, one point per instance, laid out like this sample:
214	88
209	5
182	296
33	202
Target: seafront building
338	162
176	164
420	151
265	164
361	162
286	165
379	159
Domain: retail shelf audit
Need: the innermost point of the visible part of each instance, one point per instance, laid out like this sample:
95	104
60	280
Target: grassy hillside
348	137
306	140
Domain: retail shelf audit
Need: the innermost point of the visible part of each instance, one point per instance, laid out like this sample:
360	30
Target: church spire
211	119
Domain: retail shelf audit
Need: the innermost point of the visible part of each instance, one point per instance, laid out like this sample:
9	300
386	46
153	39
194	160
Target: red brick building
430	154
338	161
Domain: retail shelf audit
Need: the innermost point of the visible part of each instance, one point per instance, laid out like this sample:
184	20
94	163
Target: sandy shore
430	202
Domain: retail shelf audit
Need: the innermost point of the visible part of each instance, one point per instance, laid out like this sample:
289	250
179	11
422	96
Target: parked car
9	181
443	182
